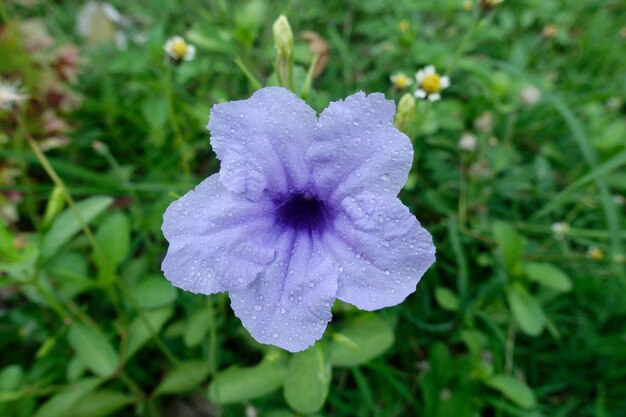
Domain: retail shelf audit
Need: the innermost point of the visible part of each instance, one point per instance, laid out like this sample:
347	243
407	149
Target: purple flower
303	211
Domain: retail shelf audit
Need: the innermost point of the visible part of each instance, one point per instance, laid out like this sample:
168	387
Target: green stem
41	157
43	160
178	136
153	334
462	45
256	85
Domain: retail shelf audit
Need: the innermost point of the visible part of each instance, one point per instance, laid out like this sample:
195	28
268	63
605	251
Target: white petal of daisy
10	94
112	13
419	93
419	76
445	82
434	97
191	53
429	70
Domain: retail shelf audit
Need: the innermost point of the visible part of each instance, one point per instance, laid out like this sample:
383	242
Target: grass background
512	320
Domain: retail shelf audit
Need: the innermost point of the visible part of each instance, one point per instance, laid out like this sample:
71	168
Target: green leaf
59	404
511	245
99	404
75	369
67	225
446	299
365	338
526	310
308	380
93	349
153	292
11	378
242	384
197	327
154	111
513	389
143	328
113	237
185	377
548	276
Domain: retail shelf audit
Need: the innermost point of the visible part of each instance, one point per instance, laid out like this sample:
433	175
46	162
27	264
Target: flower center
431	83
179	47
302	212
401	81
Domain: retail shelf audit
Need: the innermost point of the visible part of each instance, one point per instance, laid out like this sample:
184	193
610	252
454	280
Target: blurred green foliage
514	319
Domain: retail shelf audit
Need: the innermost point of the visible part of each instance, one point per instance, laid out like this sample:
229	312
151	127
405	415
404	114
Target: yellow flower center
431	83
179	48
404	26
401	82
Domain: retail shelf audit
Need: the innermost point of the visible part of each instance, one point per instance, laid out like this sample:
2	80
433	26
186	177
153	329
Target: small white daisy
560	230
530	95
10	94
468	142
100	22
430	83
179	50
400	81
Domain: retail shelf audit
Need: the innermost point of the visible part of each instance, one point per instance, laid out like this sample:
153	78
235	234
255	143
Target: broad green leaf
59	404
75	369
242	384
154	111
183	378
143	328
548	276
113	237
93	349
475	341
513	389
308	380
70	271
67	225
511	245
99	404
526	310
365	338
197	327
11	378
8	251
446	299
153	292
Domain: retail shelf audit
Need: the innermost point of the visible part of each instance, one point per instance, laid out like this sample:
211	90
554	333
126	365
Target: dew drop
384	177
386	243
258	307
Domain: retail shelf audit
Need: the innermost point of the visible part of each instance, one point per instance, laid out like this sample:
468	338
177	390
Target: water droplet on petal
258	307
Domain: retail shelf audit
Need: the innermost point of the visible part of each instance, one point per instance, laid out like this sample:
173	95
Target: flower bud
55	205
283	41
283	37
406	111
